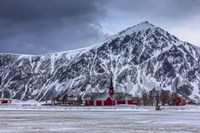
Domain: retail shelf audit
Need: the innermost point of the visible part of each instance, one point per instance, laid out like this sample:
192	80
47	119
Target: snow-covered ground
34	105
98	121
30	116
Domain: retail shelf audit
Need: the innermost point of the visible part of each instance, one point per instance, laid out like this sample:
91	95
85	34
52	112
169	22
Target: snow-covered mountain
139	58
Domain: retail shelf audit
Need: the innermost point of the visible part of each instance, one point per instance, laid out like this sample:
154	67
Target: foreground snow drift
32	116
98	121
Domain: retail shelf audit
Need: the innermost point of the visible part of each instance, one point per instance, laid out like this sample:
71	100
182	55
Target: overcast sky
43	26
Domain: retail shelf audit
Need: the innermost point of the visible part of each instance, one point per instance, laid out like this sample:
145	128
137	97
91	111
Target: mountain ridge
141	57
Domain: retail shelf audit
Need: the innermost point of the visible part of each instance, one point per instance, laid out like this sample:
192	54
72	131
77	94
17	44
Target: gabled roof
122	96
96	96
103	96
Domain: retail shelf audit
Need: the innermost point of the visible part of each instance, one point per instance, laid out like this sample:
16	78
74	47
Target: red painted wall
98	103
86	103
108	102
92	103
120	102
89	103
132	103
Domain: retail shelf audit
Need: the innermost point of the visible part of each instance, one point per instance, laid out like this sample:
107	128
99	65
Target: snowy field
28	118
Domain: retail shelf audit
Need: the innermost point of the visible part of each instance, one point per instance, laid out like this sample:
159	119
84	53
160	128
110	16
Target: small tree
145	97
137	100
164	97
173	99
79	100
64	98
151	98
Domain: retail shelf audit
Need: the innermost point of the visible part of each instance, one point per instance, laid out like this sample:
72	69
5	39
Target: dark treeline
162	97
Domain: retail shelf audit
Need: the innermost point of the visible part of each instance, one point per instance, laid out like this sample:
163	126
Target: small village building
110	98
68	99
5	100
166	97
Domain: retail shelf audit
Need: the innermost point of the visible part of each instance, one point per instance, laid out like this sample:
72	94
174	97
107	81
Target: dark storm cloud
21	10
41	26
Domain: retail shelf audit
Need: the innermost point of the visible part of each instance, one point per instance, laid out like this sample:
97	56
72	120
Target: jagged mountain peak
143	26
151	39
144	31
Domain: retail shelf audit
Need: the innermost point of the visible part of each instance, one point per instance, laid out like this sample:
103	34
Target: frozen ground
28	118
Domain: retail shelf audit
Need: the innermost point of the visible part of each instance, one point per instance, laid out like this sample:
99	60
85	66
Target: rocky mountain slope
139	58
